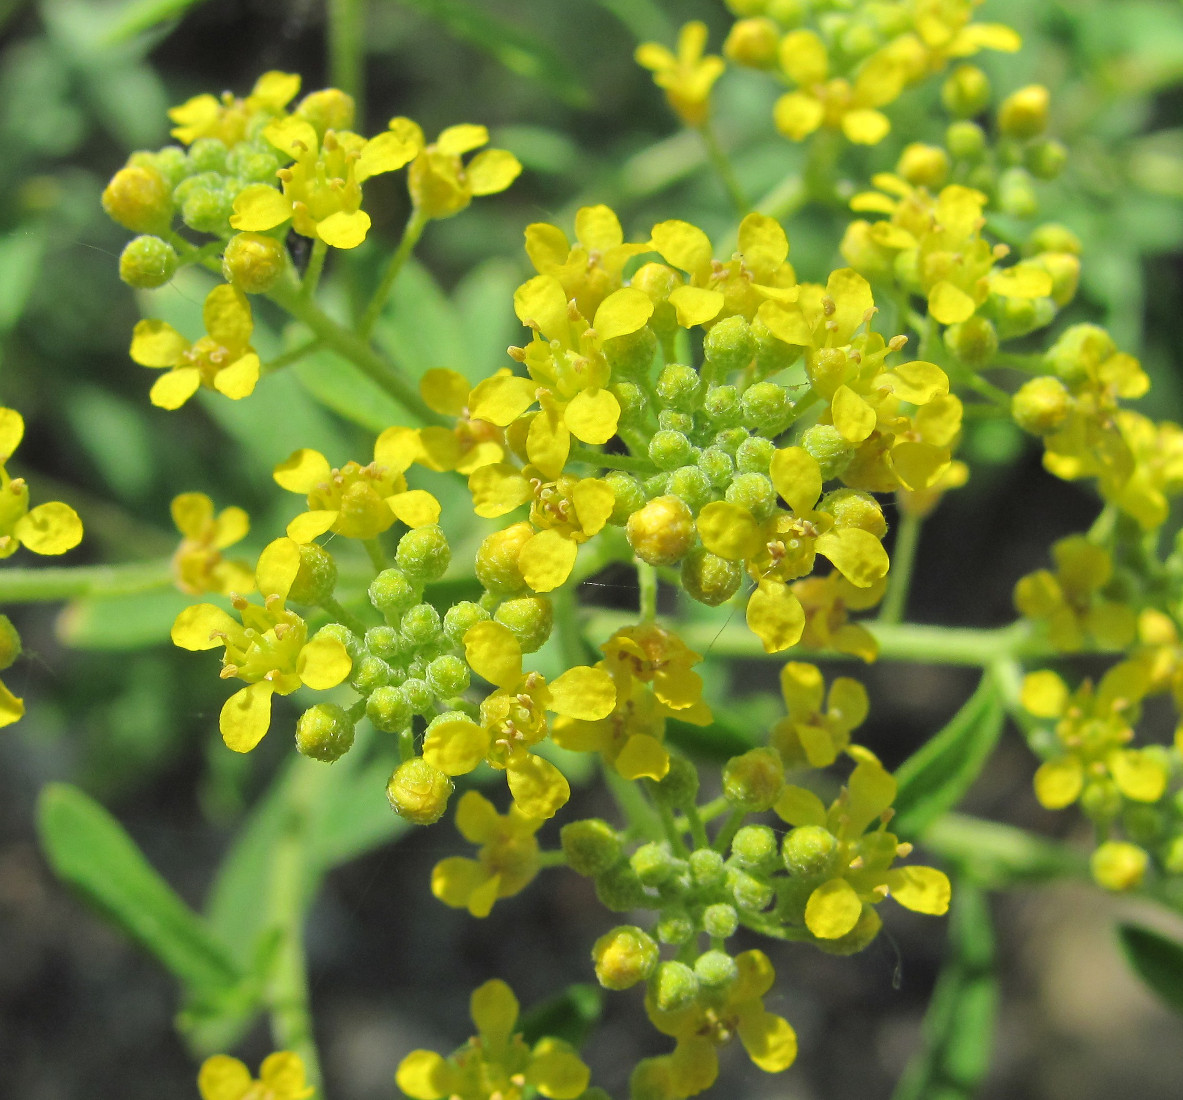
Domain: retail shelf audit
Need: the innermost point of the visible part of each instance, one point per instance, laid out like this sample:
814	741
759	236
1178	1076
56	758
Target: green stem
672	833
377	554
698	832
647	582
65	582
347	49
723	167
312	273
727	833
295	355
903	560
349	346
611	462
552	859
414	230
347	618
291	1017
635	808
406	744
769	928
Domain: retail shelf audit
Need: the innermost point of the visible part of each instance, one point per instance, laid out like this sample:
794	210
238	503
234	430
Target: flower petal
493	652
537	786
455	747
833	909
51	528
323	663
585	693
246	715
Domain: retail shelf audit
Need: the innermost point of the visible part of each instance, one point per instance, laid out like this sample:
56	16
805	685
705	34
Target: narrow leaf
1157	960
90	850
137	16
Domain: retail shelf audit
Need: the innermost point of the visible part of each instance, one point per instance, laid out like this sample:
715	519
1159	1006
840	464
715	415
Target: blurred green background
115	709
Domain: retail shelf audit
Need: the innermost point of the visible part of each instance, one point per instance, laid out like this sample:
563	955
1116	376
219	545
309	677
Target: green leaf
421	328
338	385
136	16
1002	856
21	255
936	777
571	1016
644	19
121	623
89	850
518	50
1157	960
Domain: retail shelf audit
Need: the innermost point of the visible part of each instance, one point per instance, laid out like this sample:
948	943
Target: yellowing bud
662	532
419	792
1023	114
753	42
624	956
138	198
1118	865
253	262
1041	406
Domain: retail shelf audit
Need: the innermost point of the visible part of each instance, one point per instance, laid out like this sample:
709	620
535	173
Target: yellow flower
1093	726
228	118
715	1017
783	547
322	190
514	720
198	565
281	1077
359	502
810	734
568	372
51	528
827	602
441	184
846	870
836	103
11	708
1069	600
222	360
506	863
565	513
269	649
496	1064
593	267
471	443
757	272
942	30
687	78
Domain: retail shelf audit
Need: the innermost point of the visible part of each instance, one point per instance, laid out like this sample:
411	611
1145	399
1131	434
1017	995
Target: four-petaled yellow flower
472	443
51	528
228	118
11	708
359	502
281	1077
810	734
441	184
514	719
686	78
496	1064
506	863
222	360
715	1017
198	565
827	602
269	649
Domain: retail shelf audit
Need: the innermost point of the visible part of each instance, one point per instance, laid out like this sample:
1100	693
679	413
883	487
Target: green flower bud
1052	237
172	162
966	141
675	927
721	407
1172	859
620	890
317	576
974	342
1016	195
421	625
208	154
691	486
632	354
807	850
682	422
710	579
753	43
497	559
327	109
147	262
788	13
1023	114
460	617
855	508
678	788
706	867
253	262
624	956
765	408
423	554
354	645
832	452
1045	158
392	592
772	353
632	401
654	863
729	439
754	455
419	792
591	846
10	643
966	91
208	204
1101	800
250	160
924	165
530	618
753	492
753	781
669	450
750	893
679	387
674	985
655	486
728	347
447	676
419	695
1042	405
715	969
718	466
369	674
1079	348
324	732
662	532
754	847
720	921
1117	865
1064	268
628	494
1144	825
1019	316
860	936
139	198
385	642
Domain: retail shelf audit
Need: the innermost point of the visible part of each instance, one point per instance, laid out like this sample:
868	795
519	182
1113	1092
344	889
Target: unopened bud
419	792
